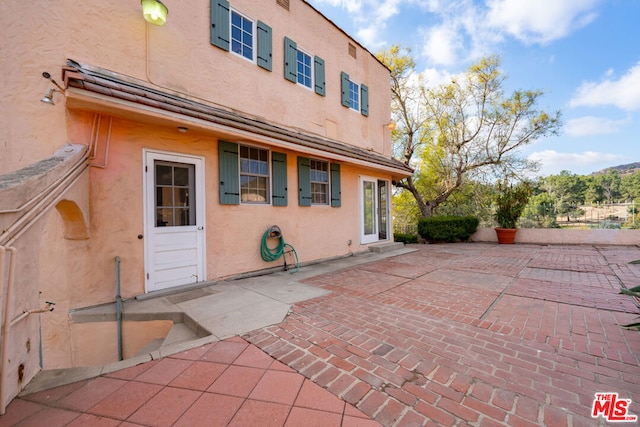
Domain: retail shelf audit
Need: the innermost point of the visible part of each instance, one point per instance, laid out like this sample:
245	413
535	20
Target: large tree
457	131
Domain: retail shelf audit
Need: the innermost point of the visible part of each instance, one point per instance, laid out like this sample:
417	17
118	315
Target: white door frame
153	233
369	230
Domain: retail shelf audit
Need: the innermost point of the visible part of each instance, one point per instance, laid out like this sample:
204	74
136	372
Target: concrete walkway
461	334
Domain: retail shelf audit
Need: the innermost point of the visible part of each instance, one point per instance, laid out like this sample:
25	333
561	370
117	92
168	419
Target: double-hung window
235	32
318	182
302	68
254	175
242	35
319	178
251	175
354	95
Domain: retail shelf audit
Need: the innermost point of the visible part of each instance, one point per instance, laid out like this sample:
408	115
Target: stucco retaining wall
564	236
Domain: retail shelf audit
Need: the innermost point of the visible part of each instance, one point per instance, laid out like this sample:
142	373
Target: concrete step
386	247
151	347
179	333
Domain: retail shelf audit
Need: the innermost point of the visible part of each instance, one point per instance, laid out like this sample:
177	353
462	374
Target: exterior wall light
154	12
391	125
48	96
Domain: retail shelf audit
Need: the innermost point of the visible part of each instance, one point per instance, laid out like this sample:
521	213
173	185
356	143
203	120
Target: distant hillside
621	169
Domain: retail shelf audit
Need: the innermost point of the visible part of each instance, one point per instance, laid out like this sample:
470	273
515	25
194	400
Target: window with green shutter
290	60
220	24
364	100
353	95
234	32
318	69
229	173
298	67
304	181
335	185
264	46
279	168
344	87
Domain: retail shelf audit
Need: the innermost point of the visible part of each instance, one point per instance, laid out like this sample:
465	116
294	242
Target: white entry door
174	220
374	210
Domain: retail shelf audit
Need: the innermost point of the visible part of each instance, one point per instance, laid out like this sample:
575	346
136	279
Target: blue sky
584	54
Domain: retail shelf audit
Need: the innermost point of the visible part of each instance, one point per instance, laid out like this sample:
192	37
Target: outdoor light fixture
391	125
48	96
154	12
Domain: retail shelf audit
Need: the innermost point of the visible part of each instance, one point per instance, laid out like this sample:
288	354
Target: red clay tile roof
110	84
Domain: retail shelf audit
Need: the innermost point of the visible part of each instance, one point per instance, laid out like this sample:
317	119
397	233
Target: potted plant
510	203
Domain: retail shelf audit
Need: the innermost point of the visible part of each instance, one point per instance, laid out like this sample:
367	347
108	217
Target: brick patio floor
453	334
471	334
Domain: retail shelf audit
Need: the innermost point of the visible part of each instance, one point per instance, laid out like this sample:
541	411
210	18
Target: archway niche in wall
75	227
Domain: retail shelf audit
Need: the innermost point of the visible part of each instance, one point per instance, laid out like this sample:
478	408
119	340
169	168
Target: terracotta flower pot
506	235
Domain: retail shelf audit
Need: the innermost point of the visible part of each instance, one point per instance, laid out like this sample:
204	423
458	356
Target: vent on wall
352	50
283	3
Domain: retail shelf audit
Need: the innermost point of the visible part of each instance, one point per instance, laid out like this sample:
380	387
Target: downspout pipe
6	322
118	309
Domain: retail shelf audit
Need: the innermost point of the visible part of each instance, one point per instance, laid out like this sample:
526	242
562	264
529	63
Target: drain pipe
118	308
6	322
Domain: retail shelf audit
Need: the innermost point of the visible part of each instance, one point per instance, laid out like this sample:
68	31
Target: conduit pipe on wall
118	309
6	323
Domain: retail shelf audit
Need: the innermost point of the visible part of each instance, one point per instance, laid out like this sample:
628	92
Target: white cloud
540	21
591	125
442	44
586	162
623	93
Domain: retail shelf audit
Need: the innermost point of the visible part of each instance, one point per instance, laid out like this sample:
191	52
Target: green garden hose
280	250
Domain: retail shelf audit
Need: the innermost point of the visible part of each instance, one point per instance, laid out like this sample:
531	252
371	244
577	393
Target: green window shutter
229	173
344	86
264	46
364	100
220	24
318	70
290	60
335	185
304	181
279	168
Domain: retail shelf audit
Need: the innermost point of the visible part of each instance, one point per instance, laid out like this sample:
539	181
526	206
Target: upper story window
230	30
300	67
319	178
354	95
242	35
304	69
254	175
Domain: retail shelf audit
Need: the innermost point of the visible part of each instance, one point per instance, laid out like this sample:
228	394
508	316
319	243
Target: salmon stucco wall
179	58
233	232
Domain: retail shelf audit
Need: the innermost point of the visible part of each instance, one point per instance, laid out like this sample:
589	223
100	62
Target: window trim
318	80
312	73
334	193
254	43
354	89
269	175
362	92
326	184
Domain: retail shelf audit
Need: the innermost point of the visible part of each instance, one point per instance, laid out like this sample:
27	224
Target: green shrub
405	238
449	229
